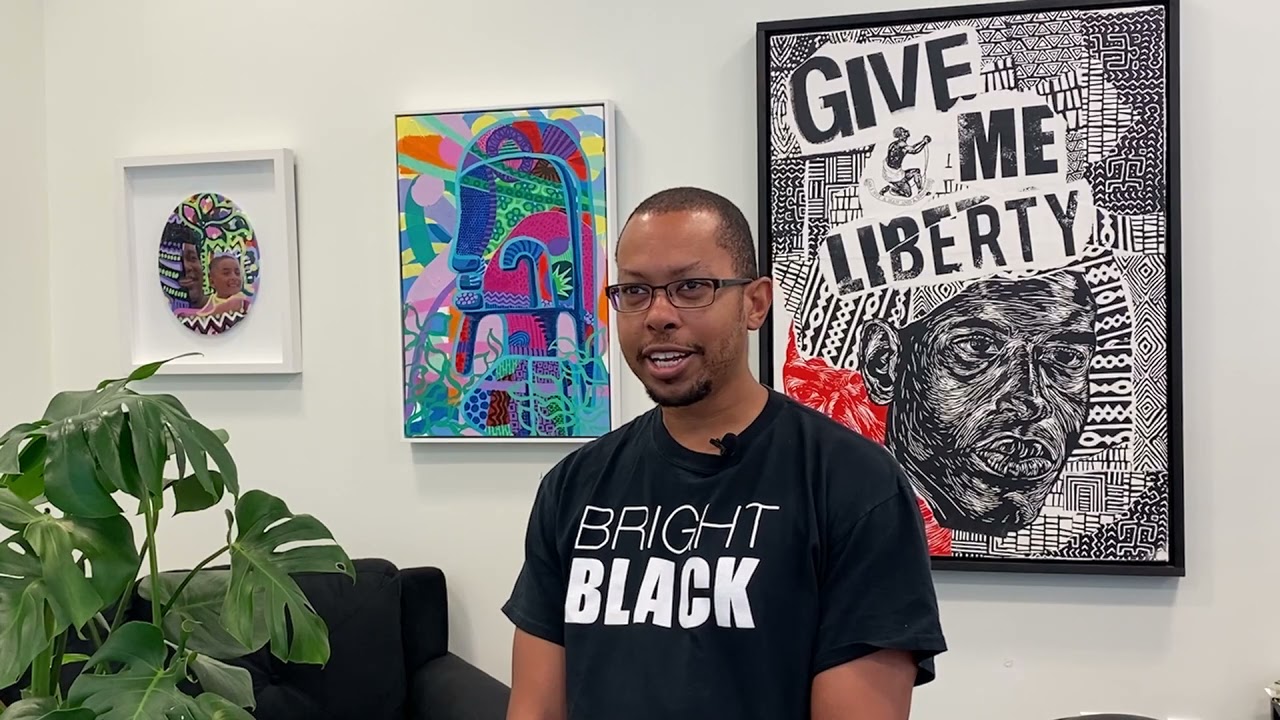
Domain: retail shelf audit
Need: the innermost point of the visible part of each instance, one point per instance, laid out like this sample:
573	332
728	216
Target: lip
1015	459
667	371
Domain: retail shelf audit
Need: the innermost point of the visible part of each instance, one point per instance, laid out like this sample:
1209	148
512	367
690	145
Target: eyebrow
980	323
1077	338
677	272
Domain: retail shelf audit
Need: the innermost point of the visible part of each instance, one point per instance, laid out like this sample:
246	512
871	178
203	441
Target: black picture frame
777	181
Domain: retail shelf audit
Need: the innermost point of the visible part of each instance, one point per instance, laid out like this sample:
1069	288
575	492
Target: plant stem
191	576
152	521
95	634
127	600
59	650
42	666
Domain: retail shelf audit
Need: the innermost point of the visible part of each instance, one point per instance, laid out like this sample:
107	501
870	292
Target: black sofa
390	659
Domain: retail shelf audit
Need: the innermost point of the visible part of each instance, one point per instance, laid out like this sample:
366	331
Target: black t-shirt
692	585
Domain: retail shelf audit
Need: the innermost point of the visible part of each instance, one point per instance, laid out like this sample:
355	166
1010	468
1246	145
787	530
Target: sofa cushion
365	677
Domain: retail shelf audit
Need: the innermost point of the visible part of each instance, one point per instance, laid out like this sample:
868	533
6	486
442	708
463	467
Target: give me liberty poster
968	214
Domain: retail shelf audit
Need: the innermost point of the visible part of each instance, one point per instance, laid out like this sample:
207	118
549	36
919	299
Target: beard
694	393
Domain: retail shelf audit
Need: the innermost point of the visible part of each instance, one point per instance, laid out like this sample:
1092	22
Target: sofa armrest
450	688
424	611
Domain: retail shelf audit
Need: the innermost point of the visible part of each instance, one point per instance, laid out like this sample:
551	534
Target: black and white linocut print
968	228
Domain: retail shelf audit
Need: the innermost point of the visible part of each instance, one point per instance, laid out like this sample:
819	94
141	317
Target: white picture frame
613	354
261	183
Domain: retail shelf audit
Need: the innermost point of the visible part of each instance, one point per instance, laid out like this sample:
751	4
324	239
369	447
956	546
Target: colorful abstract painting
209	263
504	255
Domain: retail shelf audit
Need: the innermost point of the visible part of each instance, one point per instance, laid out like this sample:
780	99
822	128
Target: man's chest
689	558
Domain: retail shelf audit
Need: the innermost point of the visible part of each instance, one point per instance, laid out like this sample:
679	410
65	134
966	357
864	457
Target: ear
758	298
878	355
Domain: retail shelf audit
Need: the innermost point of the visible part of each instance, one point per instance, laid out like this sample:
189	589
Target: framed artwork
505	250
971	217
211	262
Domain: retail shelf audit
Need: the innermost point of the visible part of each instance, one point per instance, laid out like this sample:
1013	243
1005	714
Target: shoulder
854	472
588	461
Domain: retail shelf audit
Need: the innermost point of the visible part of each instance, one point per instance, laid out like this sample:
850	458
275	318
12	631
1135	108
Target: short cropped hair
735	233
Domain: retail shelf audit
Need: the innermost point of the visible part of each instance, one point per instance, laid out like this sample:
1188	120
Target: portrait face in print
987	395
209	264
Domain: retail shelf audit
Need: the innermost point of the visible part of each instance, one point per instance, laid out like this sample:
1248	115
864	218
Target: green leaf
142	372
30	484
30	479
213	707
23	597
105	435
227	681
45	708
197	441
11	445
201	605
107	544
16	513
190	495
144	688
261	573
70	404
146	430
69	478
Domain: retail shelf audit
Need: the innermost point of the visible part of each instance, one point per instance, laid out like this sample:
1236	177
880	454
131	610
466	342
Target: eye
1069	357
634	290
693	288
975	347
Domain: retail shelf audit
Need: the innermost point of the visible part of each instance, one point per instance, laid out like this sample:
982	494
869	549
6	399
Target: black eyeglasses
687	293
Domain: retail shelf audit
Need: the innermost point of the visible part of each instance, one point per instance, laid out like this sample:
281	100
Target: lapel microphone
726	445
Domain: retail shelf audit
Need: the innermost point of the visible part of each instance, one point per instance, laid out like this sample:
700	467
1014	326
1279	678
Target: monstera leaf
38	569
24	634
44	708
145	688
198	613
261	577
92	443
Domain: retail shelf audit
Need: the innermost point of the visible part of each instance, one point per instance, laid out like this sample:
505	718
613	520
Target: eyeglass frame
611	291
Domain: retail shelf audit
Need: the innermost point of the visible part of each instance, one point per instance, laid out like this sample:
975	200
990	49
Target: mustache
694	348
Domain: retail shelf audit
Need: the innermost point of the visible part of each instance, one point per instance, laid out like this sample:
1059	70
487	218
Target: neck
728	409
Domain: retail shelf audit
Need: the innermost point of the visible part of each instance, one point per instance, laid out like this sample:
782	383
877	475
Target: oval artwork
209	263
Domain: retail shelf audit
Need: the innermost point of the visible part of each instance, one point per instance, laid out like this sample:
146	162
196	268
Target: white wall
325	77
24	248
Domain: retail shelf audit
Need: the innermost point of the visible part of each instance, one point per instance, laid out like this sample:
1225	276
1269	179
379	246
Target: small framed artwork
505	249
971	217
211	262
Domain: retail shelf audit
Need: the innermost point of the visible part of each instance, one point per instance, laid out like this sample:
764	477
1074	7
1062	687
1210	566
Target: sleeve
536	603
877	587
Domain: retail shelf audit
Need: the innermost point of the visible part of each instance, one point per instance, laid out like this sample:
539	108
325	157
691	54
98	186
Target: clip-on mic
726	445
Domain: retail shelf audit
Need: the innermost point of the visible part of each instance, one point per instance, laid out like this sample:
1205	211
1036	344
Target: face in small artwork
209	264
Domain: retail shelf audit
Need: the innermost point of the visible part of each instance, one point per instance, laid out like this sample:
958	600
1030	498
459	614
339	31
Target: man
191	278
901	182
987	396
729	554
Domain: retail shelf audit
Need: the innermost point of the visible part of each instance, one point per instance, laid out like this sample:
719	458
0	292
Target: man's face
225	276
701	346
992	394
192	273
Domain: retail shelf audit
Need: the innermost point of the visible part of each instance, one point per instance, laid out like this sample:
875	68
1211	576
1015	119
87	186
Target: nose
1023	396
662	315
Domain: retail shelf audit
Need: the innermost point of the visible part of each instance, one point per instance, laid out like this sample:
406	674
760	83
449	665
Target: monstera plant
82	493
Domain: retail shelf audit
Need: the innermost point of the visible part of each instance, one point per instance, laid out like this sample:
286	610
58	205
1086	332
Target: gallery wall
135	77
24	249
